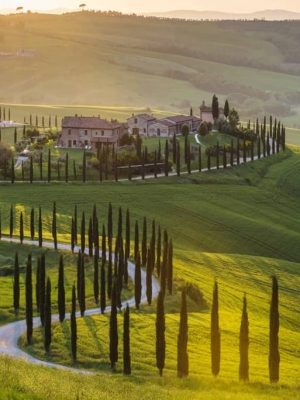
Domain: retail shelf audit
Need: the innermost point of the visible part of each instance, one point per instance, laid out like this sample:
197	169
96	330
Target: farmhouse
173	125
139	124
206	113
147	125
90	132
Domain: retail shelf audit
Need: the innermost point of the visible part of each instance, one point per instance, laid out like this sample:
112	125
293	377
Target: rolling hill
270	15
116	60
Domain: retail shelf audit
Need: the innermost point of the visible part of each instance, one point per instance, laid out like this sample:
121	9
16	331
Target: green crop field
240	226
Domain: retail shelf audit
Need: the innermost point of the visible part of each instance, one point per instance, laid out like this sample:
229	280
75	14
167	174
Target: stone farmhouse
147	125
90	132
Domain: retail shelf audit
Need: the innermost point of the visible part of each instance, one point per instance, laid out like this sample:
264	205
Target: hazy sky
157	5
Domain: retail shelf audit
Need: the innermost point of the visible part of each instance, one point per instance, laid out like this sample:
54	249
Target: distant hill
131	61
271	15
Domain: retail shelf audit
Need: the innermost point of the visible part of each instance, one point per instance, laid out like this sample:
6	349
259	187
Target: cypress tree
72	235
218	156
67	168
61	291
258	148
160	334
127	246
215	345
274	356
32	229
149	277
21	228
75	224
244	344
40	228
42	291
28	298
208	159
13	171
74	170
167	158
136	239
90	237
231	154
152	245
158	251
16	287
144	242
109	273
78	275
126	343
37	284
103	288
113	328
178	159
47	327
224	158
15	136
82	236
54	228
137	281
82	287
199	158
238	151
188	161
174	148
182	353
110	226
244	151
31	170
164	265
170	268
120	226
49	166
73	326
11	222
159	151
84	167
96	278
41	166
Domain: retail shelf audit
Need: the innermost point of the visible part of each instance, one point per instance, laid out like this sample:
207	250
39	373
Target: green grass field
240	226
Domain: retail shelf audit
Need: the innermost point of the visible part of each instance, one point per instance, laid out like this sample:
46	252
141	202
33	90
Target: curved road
10	333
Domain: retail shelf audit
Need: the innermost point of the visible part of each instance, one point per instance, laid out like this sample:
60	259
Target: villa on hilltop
90	132
148	125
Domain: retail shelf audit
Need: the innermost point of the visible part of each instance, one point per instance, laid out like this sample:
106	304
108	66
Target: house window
69	131
86	142
145	130
158	131
102	133
135	120
74	142
85	132
70	143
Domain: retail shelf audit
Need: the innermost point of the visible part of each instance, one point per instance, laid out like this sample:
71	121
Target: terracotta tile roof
89	123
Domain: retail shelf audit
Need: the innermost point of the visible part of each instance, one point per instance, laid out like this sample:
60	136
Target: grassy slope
243	226
133	62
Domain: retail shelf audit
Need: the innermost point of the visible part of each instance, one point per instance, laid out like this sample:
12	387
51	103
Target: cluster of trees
152	250
43	306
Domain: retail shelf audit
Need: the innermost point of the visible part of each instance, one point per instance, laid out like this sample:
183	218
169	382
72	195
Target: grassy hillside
96	59
240	226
